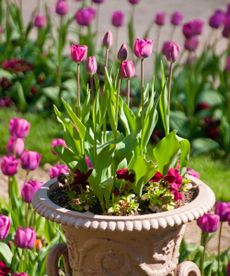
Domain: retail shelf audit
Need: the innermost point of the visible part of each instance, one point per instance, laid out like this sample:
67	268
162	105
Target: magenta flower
30	160
56	143
9	165
193	28
191	44
62	7
5	101
217	19
4	227
143	48
79	53
177	195
108	40
20	274
91	65
85	16
227	66
29	189
127	69
15	146
208	223
19	127
125	174
173	177
222	209
17	65
118	19
171	51
25	237
98	1
176	18
160	18
40	21
134	2
157	177
193	173
58	169
4	270
123	52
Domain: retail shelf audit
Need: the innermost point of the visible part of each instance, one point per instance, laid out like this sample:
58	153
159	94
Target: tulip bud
176	18
4	227
57	170
40	21
127	70
160	18
85	16
208	223
29	189
56	143
25	237
143	48
171	51
217	19
118	19
134	2
227	67
30	160
9	165
108	40
19	127
15	146
62	7
122	53
91	65
191	44
223	210
79	53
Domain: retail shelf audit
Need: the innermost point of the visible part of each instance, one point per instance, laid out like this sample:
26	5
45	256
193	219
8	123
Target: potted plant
124	206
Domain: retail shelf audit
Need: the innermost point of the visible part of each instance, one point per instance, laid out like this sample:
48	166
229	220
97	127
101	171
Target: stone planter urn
99	245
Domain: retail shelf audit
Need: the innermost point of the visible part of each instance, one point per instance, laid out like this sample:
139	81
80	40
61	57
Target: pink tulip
160	18
62	7
29	189
171	51
118	19
85	16
134	2
25	237
15	146
56	143
79	53
9	165
208	223
58	169
122	53
127	69
191	44
19	127
30	160
40	21
143	48
91	65
222	209
108	40
4	227
176	18
216	20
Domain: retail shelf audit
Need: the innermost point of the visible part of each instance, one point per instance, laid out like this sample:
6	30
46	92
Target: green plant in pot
124	206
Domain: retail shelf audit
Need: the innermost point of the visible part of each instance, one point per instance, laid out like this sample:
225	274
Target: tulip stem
116	110
158	35
116	40
169	87
91	80
219	243
142	94
204	241
128	92
106	57
78	91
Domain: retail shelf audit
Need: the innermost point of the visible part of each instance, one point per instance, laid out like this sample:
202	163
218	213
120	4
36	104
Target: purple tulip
62	7
208	223
79	53
91	65
15	146
56	143
160	18
40	21
58	169
191	44
29	189
171	51
85	16
198	26
122	53
118	19
226	30
9	165
20	274
177	18
4	227
19	127
98	1
25	237
227	66
193	28
217	19
134	2
127	70
193	173
108	40
30	160
223	210
143	48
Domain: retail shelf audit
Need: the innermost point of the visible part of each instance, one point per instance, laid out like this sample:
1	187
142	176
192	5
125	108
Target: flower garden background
37	71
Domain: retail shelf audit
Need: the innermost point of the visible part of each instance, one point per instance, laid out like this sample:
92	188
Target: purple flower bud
191	44
58	169
134	2
62	7
91	65
29	189
127	69
9	165
98	1
118	19
177	18
122	53
108	40
227	66
19	127
56	143
223	210
171	51
4	227
79	53
40	21
143	48
217	19
30	160
208	223
160	18
25	237
15	146
85	16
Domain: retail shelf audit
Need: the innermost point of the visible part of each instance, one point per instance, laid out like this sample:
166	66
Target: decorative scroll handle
53	257
188	269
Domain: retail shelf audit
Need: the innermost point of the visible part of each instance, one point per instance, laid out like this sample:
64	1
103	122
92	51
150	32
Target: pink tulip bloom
29	189
191	44
79	53
85	16
19	127
91	65
56	143
118	19
222	209
25	237
15	146
108	40
30	160
58	169
216	20
9	165
160	18
4	227
122	53
171	51
208	223
176	18
62	7
127	69
40	21
143	48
